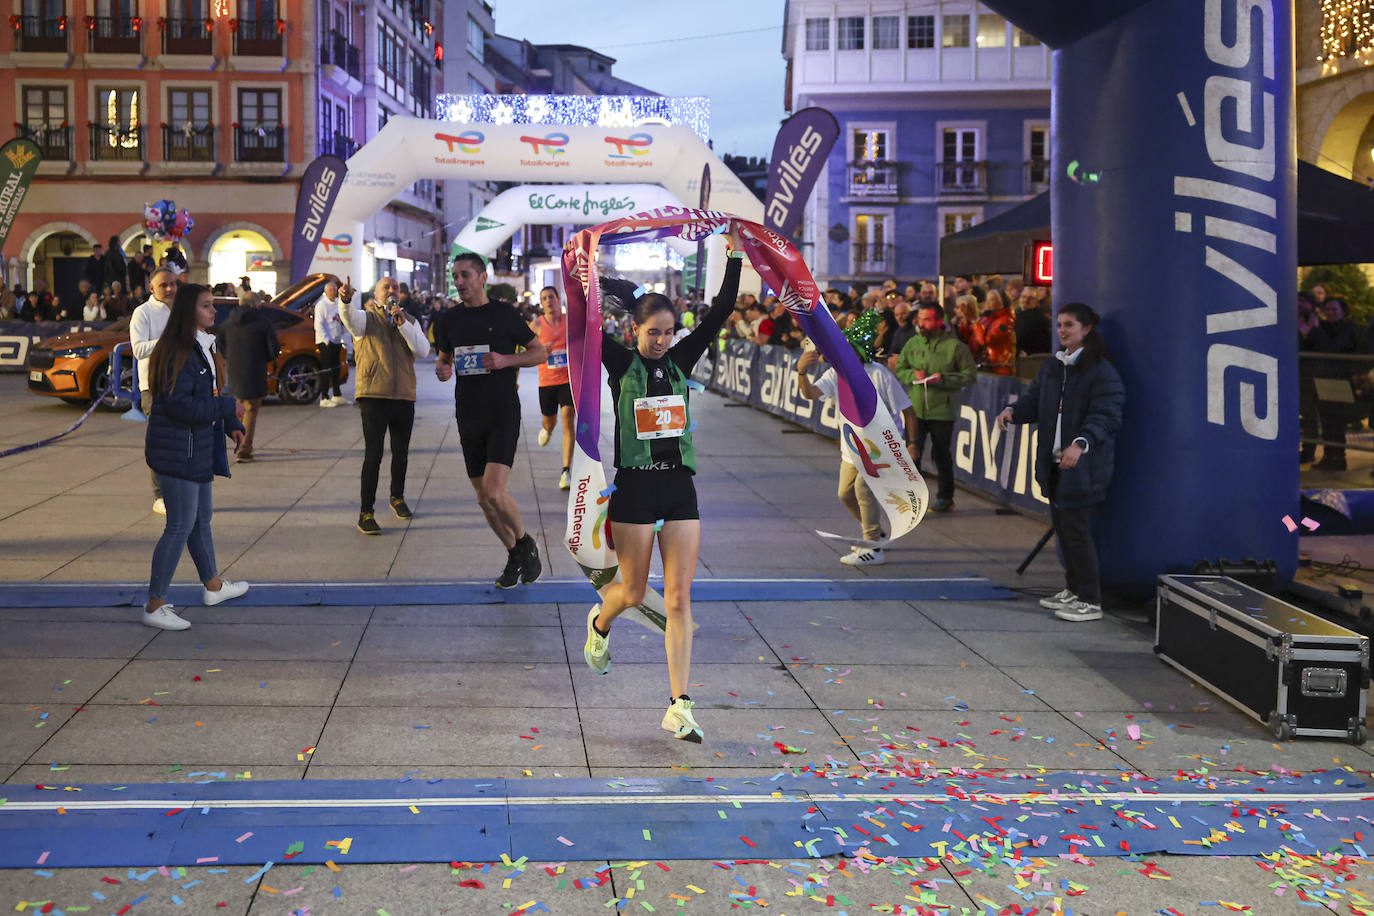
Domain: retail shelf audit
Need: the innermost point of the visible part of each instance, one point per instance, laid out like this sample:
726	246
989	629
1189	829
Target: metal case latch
1323	682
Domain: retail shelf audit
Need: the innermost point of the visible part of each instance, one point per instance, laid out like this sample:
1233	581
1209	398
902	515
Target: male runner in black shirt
477	343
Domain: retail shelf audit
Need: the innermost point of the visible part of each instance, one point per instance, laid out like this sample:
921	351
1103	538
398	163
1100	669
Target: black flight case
1298	673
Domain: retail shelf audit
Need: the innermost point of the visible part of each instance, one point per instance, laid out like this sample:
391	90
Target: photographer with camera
386	343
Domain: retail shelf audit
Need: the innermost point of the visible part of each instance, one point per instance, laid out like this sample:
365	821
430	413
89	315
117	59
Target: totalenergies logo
547	145
339	245
469	141
628	147
864	450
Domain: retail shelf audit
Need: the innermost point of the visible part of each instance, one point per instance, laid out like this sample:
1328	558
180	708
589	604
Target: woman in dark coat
248	340
1077	399
185	448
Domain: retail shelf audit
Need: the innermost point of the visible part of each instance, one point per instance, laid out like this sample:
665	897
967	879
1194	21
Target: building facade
944	114
1335	87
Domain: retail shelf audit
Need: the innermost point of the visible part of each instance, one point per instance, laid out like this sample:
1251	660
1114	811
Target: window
188	106
49	9
45	107
952	221
341	120
955	31
1023	39
118	129
383	115
850	33
477	39
326	119
1037	158
872	247
474	86
260	107
887	32
992	31
818	34
391	60
959	144
870	145
920	31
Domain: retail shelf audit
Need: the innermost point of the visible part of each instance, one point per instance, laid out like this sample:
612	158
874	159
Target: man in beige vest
386	342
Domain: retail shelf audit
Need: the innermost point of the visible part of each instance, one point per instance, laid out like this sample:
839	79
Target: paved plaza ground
390	691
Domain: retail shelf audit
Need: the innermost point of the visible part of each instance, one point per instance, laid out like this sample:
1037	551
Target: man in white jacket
330	335
145	327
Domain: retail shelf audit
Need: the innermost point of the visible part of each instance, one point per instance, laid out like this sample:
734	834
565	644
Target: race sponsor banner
320	186
17	338
1000	464
799	152
19	161
866	428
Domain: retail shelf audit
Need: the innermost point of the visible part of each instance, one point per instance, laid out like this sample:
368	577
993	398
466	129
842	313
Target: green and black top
633	378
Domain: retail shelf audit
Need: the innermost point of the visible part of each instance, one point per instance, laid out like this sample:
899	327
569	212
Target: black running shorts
552	397
645	497
488	441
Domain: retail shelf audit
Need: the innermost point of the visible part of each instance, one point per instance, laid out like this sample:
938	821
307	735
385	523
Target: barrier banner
19	161
799	152
18	337
320	186
1001	465
866	428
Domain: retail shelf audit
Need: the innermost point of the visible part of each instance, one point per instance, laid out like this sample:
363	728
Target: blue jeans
189	508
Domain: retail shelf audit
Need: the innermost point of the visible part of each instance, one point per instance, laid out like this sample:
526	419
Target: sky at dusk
728	50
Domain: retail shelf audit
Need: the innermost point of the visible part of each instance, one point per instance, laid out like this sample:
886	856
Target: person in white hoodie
330	335
145	327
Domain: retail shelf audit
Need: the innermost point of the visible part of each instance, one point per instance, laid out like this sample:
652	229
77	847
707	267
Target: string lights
578	110
1347	33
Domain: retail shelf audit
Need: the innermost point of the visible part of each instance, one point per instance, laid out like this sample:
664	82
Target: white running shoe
678	720
159	507
864	556
227	591
1056	602
341	401
544	436
165	618
563	481
597	651
328	402
1078	611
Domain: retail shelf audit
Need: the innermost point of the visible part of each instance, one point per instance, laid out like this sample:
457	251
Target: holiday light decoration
579	110
1347	33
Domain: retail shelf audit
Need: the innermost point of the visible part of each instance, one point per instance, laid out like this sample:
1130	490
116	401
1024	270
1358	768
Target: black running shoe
367	524
400	508
510	576
530	567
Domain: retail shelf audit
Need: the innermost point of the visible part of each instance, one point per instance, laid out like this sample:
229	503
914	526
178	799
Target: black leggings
1077	547
380	416
331	357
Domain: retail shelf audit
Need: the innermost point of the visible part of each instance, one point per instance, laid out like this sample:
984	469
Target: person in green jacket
936	364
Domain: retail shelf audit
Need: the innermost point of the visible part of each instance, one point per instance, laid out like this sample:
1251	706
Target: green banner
18	163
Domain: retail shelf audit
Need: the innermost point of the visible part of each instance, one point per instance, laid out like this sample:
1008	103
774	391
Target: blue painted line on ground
545	591
791	815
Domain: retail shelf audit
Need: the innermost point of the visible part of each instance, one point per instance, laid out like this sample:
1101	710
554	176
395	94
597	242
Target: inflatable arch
409	149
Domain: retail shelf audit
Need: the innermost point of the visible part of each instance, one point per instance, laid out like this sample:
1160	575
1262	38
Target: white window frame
283	88
972	31
166	100
980	141
978	30
95	116
806	33
899	35
853	127
23	82
467	38
1027	128
864	43
954	210
934	18
889	217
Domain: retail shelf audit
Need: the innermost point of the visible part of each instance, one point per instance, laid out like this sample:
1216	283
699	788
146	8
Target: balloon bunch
164	222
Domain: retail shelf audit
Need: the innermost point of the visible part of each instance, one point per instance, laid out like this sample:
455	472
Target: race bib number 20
660	418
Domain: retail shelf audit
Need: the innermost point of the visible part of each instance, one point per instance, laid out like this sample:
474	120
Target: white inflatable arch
409	149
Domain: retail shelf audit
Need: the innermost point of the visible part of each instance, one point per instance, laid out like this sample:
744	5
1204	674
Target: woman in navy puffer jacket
185	448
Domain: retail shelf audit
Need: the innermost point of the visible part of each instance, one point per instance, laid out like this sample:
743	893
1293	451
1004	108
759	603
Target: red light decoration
281	26
439	52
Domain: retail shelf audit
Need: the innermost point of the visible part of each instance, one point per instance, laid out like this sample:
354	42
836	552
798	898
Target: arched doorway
1347	142
55	255
243	250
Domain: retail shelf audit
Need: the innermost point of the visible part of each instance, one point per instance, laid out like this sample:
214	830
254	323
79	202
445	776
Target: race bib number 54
660	418
468	360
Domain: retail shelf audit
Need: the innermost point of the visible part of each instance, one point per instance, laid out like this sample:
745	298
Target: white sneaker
864	556
165	618
563	481
1077	611
159	507
341	401
328	402
1061	600
227	590
597	651
544	436
678	720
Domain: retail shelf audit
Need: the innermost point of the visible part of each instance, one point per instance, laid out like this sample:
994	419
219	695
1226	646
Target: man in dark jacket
137	270
1334	333
1032	327
248	340
93	271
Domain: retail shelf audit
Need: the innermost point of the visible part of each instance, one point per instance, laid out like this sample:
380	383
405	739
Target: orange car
74	366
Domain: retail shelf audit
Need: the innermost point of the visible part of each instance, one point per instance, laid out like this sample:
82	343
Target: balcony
55	142
875	258
188	143
114	34
260	143
259	37
1037	176
115	144
338	145
39	34
336	50
187	36
963	177
873	179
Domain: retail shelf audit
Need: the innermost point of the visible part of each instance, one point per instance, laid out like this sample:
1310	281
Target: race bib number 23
661	417
468	360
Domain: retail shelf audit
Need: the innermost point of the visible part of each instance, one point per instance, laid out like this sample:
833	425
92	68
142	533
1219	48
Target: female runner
655	461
